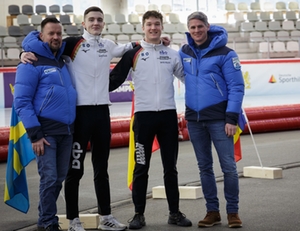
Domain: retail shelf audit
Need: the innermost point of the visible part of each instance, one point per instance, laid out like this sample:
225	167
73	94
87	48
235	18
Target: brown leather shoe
212	218
234	221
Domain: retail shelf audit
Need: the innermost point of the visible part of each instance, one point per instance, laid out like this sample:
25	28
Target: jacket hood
217	34
33	43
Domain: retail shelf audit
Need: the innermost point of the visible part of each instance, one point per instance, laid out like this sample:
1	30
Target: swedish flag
20	154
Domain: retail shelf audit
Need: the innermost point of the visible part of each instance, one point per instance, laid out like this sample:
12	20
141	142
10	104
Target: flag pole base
185	192
262	172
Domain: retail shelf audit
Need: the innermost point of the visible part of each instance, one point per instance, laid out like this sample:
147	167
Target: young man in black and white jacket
153	67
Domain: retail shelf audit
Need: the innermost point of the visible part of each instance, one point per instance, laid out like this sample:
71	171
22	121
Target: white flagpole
247	121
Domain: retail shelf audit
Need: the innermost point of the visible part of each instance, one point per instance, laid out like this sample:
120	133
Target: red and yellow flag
131	150
236	137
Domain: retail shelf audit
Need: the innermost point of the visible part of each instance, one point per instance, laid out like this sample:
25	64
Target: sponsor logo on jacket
236	63
50	70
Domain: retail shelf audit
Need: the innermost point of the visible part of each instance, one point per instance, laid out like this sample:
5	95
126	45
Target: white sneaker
75	225
110	223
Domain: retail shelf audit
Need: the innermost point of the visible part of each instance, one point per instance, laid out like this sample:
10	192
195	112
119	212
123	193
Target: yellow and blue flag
20	154
237	142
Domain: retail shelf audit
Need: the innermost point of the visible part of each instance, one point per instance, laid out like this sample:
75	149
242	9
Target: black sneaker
41	228
53	227
179	219
137	222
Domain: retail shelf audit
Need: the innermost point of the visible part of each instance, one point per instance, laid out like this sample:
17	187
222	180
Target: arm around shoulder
120	72
178	68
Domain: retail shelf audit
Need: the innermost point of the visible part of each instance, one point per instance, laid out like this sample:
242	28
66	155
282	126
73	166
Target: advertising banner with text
262	77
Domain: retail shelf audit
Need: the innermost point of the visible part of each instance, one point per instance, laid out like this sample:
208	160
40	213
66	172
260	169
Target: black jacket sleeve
120	72
71	44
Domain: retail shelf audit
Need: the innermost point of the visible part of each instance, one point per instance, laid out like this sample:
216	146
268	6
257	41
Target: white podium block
262	172
89	221
185	192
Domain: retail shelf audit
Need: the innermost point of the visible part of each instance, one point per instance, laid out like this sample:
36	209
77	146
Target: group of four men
47	103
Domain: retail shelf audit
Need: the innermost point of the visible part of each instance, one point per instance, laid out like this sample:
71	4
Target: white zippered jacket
88	60
153	67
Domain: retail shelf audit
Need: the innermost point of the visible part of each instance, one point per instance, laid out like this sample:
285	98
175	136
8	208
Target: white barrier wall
271	77
263	78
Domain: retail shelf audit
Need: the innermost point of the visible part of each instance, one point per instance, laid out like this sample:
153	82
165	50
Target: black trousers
164	125
92	124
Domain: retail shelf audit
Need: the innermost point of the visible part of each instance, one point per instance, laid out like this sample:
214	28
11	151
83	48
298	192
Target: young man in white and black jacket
153	67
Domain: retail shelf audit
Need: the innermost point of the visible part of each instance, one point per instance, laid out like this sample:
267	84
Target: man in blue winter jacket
46	104
213	97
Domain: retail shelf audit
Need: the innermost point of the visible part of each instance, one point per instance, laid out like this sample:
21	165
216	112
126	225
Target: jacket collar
203	45
87	36
151	45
